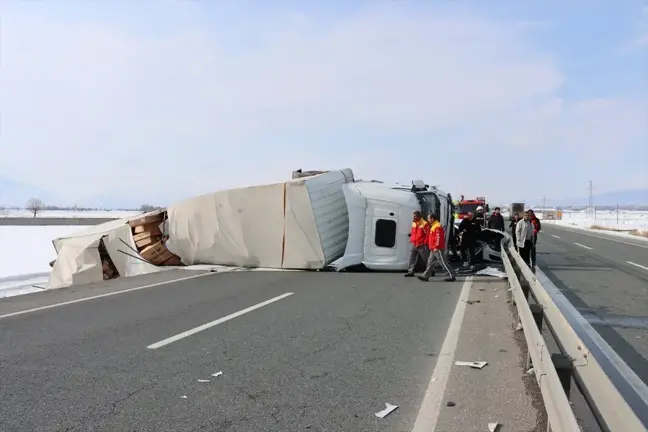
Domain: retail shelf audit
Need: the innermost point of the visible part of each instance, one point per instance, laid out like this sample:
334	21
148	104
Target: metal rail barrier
615	394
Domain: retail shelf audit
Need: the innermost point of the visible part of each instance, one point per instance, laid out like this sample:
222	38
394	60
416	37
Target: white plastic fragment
530	371
490	271
492	427
496	296
203	381
389	408
217	374
183	397
475	364
519	326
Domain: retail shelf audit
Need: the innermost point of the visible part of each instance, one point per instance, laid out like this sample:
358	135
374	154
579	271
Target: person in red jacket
436	245
418	237
537	226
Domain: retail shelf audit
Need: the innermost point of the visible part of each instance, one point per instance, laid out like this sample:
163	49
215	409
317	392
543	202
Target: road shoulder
500	392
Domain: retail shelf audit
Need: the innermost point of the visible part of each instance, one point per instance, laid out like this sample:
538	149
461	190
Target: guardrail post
564	368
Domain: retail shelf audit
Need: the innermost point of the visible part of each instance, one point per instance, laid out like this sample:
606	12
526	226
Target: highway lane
326	357
605	279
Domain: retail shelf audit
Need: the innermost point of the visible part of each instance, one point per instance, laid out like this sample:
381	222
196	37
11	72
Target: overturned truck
314	221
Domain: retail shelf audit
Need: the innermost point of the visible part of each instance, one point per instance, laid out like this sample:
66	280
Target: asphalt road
606	278
326	357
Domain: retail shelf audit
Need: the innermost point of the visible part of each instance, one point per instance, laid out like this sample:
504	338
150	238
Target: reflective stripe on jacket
436	237
419	232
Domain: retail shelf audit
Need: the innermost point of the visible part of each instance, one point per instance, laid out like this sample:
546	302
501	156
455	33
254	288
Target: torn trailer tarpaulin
298	224
78	259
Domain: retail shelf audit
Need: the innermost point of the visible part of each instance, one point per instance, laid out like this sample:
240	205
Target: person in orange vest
436	245
418	238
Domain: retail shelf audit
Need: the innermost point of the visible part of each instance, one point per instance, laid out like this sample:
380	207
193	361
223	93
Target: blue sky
509	99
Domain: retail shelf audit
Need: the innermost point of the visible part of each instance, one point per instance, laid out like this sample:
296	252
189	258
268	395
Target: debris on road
204	381
492	427
490	271
450	404
531	371
183	397
473	301
475	364
519	327
389	408
217	374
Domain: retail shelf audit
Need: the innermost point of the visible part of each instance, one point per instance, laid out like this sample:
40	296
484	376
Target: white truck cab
380	220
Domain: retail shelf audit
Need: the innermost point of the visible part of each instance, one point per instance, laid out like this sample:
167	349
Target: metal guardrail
615	394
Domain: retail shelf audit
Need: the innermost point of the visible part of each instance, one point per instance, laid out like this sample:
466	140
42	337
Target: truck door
387	241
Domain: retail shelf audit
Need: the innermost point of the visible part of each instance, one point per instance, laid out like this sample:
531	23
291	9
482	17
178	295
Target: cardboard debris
389	408
150	239
475	364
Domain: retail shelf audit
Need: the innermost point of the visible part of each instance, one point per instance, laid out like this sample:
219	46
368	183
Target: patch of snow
23	286
117	214
618	224
28	249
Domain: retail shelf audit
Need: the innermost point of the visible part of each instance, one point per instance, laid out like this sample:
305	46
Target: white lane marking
583	246
555	236
55	305
576	230
193	331
637	265
431	406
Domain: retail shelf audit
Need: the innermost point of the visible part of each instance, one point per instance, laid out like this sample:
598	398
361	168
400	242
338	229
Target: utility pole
544	203
590	204
617	214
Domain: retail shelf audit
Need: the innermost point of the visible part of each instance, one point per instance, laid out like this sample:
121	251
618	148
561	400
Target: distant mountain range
16	194
624	198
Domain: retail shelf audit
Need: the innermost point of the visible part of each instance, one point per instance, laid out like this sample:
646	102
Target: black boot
424	279
450	279
409	275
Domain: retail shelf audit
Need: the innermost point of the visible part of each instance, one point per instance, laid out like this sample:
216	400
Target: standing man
524	237
536	229
479	217
418	237
436	246
496	220
469	229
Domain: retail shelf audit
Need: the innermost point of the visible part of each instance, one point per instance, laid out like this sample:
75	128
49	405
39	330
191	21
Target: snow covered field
70	213
27	250
624	223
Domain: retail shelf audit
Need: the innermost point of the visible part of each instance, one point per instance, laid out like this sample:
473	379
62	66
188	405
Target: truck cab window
385	233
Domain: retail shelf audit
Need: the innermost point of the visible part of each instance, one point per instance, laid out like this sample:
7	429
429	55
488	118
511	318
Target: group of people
525	235
428	242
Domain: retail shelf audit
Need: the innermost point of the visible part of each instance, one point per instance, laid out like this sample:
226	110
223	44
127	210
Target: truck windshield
467	208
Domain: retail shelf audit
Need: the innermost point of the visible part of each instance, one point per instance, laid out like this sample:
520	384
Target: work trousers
525	252
435	258
415	253
533	251
468	250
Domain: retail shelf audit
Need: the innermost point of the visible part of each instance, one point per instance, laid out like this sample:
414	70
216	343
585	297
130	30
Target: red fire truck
464	206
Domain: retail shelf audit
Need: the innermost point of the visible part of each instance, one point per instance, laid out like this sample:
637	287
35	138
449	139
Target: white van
380	219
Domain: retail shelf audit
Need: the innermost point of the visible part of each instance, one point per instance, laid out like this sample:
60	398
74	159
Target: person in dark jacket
496	220
516	218
469	229
479	217
537	226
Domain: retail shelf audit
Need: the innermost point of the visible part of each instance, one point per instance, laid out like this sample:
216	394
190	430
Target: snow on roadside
27	250
117	214
620	225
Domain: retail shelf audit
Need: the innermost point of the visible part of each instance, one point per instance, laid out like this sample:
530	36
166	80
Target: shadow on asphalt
626	351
